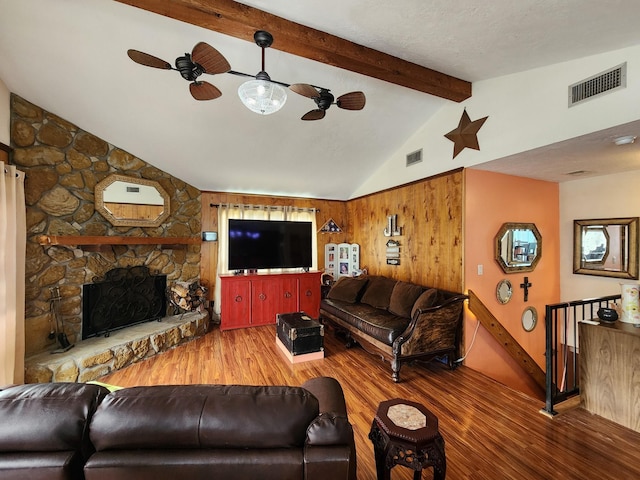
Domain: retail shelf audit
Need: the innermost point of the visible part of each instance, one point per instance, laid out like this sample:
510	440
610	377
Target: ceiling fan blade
148	60
351	101
204	91
210	59
305	90
317	114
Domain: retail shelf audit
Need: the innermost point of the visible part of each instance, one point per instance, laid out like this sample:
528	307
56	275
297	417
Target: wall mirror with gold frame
518	247
606	247
504	291
131	202
529	319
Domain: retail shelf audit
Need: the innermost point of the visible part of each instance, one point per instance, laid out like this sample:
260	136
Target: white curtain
258	212
12	265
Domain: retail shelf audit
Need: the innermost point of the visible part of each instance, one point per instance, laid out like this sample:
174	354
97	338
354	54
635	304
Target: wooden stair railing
497	330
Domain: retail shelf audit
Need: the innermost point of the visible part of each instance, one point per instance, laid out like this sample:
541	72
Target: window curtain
257	212
12	265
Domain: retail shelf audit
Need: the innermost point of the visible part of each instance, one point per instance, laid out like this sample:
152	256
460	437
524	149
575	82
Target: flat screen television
256	244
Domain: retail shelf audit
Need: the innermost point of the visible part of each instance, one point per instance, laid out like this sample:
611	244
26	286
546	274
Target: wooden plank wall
429	211
4	153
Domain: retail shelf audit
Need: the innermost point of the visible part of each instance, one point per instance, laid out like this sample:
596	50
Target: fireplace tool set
58	331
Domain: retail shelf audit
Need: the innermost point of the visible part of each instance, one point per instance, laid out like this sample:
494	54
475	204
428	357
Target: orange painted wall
492	199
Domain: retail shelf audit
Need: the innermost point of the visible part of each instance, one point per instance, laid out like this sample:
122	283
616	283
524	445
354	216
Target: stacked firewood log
188	297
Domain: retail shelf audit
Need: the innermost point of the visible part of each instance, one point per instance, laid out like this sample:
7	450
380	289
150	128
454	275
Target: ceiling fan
203	59
261	95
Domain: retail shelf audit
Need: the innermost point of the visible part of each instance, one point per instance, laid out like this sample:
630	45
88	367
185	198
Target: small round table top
406	420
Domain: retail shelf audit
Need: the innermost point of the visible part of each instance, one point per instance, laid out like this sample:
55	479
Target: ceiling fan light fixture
262	96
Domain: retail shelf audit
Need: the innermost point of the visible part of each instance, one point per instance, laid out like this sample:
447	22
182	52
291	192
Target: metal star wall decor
465	135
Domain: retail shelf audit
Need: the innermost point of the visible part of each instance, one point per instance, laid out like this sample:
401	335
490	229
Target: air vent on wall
414	157
608	81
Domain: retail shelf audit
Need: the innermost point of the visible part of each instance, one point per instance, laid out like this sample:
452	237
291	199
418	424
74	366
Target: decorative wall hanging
526	284
330	226
393	252
466	134
392	226
261	95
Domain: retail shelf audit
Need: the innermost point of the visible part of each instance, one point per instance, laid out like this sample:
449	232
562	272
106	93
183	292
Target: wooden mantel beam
241	21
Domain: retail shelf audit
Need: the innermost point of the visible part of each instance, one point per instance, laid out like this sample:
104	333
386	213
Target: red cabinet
265	296
309	295
251	300
289	294
236	301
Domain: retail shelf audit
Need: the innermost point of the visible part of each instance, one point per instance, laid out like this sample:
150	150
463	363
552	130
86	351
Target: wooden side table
406	433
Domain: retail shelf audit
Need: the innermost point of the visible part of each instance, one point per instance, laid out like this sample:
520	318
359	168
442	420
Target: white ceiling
586	156
69	57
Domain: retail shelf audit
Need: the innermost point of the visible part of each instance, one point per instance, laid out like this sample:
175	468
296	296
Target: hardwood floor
491	432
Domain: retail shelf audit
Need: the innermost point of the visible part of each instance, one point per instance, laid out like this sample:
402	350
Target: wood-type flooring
490	431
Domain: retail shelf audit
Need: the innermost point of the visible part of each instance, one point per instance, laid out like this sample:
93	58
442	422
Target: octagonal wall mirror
606	247
131	202
518	247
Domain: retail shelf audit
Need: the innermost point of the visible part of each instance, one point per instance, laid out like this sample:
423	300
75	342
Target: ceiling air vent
608	81
414	157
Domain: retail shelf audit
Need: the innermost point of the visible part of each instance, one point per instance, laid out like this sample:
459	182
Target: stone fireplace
124	321
63	164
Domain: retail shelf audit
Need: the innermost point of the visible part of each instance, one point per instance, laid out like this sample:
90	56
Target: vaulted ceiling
69	57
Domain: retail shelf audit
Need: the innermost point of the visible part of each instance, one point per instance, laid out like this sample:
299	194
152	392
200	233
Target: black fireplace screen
124	297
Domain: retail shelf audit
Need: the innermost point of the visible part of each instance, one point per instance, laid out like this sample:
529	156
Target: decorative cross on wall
526	286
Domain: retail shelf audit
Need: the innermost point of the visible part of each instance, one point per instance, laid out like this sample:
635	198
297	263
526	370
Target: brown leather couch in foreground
76	431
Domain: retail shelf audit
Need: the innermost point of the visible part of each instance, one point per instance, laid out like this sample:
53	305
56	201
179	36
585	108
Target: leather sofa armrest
449	301
329	394
432	329
331	426
329	429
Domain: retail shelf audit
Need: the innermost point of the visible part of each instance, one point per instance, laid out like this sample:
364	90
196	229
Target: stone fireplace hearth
98	356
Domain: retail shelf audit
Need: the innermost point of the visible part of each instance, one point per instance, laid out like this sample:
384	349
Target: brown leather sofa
76	431
400	321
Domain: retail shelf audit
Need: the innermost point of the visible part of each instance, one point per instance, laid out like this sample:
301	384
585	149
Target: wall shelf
99	241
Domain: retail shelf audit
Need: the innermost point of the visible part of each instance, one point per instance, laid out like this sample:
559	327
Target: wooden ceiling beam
241	21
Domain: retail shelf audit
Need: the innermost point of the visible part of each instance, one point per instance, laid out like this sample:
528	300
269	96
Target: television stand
253	300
